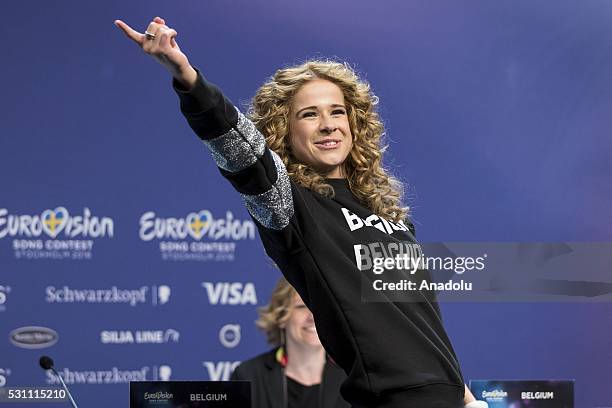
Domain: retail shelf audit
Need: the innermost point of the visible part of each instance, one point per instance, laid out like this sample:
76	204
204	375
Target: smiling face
300	328
319	131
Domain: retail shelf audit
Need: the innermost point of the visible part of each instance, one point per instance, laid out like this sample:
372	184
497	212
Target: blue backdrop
498	114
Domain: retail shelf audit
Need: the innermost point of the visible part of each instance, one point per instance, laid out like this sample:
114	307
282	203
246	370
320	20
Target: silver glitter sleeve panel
238	148
274	208
242	149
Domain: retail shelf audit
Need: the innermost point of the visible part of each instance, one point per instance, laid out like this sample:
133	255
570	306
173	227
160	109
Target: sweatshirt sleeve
240	152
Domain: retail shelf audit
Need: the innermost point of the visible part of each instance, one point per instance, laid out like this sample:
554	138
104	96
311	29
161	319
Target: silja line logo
139	336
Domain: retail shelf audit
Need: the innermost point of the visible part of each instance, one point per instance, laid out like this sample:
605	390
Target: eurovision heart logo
54	221
199	223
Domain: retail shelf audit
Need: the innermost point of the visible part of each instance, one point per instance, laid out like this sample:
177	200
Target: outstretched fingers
132	34
159	41
167	38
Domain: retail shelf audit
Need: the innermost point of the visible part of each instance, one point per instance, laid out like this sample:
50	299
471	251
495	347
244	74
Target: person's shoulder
408	222
262	362
266	358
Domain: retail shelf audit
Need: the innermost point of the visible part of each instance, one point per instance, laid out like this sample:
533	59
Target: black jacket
266	378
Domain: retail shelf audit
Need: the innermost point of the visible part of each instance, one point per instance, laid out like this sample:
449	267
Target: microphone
46	363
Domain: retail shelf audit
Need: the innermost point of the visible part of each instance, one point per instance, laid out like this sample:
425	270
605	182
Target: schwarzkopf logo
163	294
162	373
160	295
114	375
33	337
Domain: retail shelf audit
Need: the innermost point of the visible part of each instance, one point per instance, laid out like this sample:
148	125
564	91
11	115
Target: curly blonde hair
275	314
368	180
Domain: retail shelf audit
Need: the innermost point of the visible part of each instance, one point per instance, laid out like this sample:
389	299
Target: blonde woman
308	165
296	372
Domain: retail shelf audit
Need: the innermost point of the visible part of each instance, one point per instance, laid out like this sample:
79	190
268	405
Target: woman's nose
327	125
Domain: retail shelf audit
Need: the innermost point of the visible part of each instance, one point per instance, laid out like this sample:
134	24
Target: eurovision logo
55	233
158	398
198	236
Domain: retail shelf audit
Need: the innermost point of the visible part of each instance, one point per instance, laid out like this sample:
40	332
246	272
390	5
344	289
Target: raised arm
238	148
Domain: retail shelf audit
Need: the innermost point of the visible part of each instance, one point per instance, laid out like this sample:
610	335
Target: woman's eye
309	114
338	112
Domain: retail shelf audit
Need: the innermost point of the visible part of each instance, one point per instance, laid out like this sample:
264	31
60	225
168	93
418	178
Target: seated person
296	372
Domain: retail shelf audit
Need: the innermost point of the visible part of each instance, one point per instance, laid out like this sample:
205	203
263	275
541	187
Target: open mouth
329	143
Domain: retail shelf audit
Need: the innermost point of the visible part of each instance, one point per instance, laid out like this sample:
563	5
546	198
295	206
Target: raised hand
159	41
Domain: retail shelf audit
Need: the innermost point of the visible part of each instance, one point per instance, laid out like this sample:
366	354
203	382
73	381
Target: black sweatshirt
391	348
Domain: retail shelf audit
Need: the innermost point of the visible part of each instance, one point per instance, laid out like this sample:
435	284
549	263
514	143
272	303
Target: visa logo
220	370
230	293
